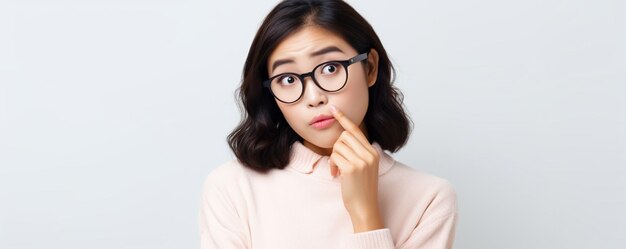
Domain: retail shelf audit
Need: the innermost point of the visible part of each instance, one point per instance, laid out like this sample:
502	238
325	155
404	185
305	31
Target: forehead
300	44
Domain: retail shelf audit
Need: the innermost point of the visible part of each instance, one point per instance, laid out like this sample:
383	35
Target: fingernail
333	108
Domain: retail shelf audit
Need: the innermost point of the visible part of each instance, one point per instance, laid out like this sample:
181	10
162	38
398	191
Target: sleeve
220	224
375	239
436	230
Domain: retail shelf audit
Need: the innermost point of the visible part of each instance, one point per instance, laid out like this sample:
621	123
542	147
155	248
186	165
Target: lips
320	118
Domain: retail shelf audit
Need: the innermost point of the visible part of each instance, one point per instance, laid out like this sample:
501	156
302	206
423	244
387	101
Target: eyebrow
322	51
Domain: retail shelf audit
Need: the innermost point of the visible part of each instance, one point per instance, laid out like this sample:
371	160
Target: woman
311	170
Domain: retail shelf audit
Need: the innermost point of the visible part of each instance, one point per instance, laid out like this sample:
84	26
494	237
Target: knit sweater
301	207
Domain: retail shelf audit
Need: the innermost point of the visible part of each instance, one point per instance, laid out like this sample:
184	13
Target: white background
113	112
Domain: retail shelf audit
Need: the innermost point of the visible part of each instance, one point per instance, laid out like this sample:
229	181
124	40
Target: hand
356	161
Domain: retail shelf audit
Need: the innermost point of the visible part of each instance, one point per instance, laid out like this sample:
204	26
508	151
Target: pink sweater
301	207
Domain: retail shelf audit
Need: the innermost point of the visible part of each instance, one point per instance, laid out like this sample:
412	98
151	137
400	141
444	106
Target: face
352	99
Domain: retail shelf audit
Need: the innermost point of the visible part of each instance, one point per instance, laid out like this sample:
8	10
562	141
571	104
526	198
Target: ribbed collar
306	161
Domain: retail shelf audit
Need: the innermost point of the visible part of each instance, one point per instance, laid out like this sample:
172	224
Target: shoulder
437	194
230	168
224	177
420	178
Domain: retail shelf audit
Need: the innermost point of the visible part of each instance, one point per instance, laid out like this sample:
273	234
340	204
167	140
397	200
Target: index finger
348	125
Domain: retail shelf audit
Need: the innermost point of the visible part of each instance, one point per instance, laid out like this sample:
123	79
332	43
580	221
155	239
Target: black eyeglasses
330	76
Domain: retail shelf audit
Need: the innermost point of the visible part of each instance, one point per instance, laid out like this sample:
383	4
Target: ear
372	67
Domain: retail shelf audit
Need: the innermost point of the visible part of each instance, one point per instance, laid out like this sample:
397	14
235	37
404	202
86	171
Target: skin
352	157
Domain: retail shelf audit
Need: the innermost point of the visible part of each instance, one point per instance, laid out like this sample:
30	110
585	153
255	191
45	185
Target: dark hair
262	140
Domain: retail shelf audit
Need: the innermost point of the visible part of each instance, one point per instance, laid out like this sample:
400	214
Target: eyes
329	68
324	70
287	79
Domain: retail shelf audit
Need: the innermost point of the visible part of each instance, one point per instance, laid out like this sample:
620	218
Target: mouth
323	123
320	117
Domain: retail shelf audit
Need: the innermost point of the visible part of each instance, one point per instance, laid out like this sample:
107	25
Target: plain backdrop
113	112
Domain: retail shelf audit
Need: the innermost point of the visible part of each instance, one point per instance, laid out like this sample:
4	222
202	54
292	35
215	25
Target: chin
322	140
326	144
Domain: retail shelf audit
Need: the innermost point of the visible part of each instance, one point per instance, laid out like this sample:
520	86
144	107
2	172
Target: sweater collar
304	160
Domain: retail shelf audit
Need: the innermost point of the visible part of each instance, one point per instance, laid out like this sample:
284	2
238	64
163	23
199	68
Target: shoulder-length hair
262	140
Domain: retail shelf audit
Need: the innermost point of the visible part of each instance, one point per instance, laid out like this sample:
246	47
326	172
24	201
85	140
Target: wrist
367	221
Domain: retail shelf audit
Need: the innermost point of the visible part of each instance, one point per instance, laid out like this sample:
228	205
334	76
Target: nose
313	95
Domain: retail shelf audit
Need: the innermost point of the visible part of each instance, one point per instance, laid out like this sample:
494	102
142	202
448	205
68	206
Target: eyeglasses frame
344	63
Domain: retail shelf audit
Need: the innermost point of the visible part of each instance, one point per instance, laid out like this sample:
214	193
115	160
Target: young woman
311	170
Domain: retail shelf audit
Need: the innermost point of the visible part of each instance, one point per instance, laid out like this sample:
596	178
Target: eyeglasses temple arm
359	57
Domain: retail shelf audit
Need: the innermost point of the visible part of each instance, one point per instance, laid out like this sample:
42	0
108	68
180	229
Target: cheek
354	100
287	112
291	114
